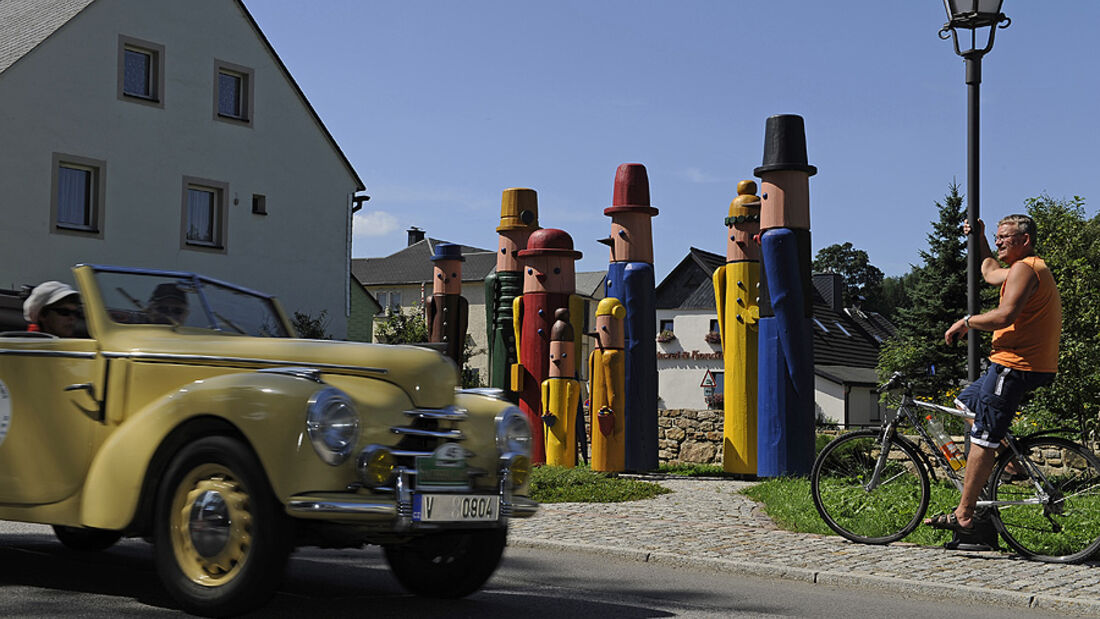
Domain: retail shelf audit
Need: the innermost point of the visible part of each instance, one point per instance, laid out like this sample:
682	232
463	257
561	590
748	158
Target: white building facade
167	135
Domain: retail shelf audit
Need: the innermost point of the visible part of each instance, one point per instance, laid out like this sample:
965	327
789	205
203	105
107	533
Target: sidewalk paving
708	524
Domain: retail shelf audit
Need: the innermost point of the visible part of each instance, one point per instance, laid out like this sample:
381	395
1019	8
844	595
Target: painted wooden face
562	363
447	277
631	237
511	243
610	331
740	244
785	200
549	273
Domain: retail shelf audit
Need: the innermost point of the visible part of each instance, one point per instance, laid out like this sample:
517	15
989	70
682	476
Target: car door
48	416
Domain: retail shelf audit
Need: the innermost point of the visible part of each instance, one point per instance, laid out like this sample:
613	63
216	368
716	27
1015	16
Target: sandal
1013	473
948	522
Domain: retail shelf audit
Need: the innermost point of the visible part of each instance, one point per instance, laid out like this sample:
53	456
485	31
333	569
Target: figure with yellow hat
735	290
630	279
561	393
519	217
607	375
549	284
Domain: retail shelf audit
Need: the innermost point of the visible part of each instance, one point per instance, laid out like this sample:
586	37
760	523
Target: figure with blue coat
630	280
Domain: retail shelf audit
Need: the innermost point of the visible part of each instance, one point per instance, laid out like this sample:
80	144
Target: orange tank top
1031	343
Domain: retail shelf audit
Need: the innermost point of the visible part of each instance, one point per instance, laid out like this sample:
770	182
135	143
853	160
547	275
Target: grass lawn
555	484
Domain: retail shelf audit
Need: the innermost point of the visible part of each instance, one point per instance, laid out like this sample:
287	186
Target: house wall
683	362
62	98
828	400
864	407
361	318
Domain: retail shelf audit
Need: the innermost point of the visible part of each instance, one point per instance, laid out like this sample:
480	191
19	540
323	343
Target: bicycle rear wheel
1064	528
880	515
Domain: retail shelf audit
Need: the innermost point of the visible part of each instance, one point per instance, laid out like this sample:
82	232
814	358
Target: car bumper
362	509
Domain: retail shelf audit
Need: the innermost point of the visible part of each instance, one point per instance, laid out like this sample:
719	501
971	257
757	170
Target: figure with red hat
630	280
447	311
785	406
549	284
519	217
735	290
561	393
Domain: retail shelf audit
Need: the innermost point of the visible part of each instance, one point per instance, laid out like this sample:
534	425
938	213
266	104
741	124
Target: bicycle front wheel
1064	527
863	512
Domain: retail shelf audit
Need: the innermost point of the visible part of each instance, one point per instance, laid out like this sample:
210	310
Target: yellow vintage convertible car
186	412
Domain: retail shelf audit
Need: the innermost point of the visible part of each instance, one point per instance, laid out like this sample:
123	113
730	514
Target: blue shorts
995	397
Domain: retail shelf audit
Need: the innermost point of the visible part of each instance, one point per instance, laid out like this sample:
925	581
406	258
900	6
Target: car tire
84	539
221	538
447	565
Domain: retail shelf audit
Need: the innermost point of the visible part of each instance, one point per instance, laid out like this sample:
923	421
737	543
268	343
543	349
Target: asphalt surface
708	524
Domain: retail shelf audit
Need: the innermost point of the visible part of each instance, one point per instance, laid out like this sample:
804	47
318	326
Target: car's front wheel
447	565
221	538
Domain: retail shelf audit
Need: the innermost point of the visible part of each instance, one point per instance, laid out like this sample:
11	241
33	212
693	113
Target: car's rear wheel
447	565
85	539
221	538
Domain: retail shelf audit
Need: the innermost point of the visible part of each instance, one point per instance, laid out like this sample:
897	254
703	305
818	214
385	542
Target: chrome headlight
513	432
332	424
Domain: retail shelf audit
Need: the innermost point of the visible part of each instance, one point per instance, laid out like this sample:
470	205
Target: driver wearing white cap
53	308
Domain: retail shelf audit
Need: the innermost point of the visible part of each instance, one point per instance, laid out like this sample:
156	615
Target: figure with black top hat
735	291
785	421
549	284
446	311
630	280
519	217
561	393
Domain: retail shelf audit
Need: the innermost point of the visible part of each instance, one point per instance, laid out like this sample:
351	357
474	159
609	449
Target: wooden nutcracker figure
785	421
735	290
607	375
549	283
561	393
446	311
519	217
630	279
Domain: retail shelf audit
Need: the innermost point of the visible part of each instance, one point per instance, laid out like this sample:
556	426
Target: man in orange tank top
1026	326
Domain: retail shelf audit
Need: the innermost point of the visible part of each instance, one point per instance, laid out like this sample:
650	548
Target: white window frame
94	200
219	218
155	51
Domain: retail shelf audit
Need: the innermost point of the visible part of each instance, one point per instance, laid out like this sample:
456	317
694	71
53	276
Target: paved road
39	578
707	523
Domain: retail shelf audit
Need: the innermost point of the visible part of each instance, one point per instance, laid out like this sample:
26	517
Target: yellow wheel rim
211	563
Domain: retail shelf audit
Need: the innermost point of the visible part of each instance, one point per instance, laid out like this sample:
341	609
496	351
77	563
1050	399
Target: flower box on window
666	336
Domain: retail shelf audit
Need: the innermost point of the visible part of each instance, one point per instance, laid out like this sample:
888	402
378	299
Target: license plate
455	508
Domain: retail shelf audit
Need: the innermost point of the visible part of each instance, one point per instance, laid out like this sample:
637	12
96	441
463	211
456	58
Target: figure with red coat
549	283
630	280
447	311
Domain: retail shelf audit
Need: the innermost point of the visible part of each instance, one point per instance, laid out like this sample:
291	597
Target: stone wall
690	436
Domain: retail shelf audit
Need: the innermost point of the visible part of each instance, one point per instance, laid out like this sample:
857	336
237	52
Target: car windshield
186	300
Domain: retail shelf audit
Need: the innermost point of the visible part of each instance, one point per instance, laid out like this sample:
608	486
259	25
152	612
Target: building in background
689	360
167	135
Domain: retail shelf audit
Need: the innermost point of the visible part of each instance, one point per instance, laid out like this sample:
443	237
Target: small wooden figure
607	375
446	311
561	393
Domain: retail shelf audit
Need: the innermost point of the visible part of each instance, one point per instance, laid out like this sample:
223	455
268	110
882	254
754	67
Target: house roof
591	283
843	337
846	375
412	265
24	24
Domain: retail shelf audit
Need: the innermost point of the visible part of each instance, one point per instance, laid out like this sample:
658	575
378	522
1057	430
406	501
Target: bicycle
872	486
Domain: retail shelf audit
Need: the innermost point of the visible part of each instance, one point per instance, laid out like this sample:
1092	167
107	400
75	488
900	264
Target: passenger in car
54	308
168	305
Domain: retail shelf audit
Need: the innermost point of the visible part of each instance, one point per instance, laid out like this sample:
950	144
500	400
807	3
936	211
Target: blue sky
441	105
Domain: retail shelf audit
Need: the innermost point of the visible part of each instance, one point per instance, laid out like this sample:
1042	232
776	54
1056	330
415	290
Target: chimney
831	288
415	235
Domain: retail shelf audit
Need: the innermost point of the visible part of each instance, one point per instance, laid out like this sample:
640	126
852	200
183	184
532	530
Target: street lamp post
975	16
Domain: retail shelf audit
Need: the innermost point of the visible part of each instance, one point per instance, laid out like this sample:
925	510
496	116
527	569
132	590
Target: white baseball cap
46	293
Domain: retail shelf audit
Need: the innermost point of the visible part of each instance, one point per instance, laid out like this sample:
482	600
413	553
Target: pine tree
936	298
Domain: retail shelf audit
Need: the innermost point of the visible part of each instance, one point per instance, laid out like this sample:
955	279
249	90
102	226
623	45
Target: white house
167	135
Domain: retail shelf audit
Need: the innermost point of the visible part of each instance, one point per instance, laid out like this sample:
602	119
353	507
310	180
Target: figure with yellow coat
735	294
607	375
561	393
549	284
